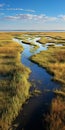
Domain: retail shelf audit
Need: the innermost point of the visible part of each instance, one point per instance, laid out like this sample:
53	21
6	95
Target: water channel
31	116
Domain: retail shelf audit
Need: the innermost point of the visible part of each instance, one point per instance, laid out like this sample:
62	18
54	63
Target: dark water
31	117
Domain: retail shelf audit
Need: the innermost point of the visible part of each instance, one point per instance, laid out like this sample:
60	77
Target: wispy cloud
2	5
14	9
31	17
62	17
17	9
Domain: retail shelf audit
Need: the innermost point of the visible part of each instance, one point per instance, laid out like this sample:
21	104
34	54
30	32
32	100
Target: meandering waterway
31	117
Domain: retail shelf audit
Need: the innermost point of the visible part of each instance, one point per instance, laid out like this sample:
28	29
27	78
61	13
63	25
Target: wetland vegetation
14	83
13	76
53	60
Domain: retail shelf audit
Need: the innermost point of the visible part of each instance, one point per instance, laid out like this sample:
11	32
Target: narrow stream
31	117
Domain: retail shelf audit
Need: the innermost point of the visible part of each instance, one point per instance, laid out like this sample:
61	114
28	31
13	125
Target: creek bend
31	116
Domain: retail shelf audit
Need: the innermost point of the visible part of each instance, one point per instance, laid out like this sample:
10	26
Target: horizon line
32	30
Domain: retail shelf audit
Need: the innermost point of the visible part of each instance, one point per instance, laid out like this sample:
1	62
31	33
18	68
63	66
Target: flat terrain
54	61
13	76
14	84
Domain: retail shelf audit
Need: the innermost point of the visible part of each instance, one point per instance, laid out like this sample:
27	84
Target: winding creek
31	116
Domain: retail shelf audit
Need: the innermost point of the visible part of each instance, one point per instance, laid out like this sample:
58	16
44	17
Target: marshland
32	80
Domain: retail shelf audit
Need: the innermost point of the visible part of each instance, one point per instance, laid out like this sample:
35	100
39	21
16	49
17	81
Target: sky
32	14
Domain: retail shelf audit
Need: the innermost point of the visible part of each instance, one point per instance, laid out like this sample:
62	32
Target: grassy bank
56	119
53	60
14	85
52	37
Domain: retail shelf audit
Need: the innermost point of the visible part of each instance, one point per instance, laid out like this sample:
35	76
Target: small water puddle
53	44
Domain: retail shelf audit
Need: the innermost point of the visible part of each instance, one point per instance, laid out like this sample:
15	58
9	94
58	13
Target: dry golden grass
56	118
54	61
55	34
13	76
5	36
52	37
14	86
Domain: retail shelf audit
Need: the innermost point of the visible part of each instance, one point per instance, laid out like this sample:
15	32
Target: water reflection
30	118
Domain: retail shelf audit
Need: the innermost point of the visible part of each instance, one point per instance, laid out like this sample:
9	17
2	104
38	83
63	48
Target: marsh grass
56	119
54	61
52	37
60	92
14	85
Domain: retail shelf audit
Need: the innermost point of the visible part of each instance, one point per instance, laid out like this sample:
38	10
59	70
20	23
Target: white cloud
62	17
11	17
52	18
14	9
1	5
17	9
19	16
40	17
34	17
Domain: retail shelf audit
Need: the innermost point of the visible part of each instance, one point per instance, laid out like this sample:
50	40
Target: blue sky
32	14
